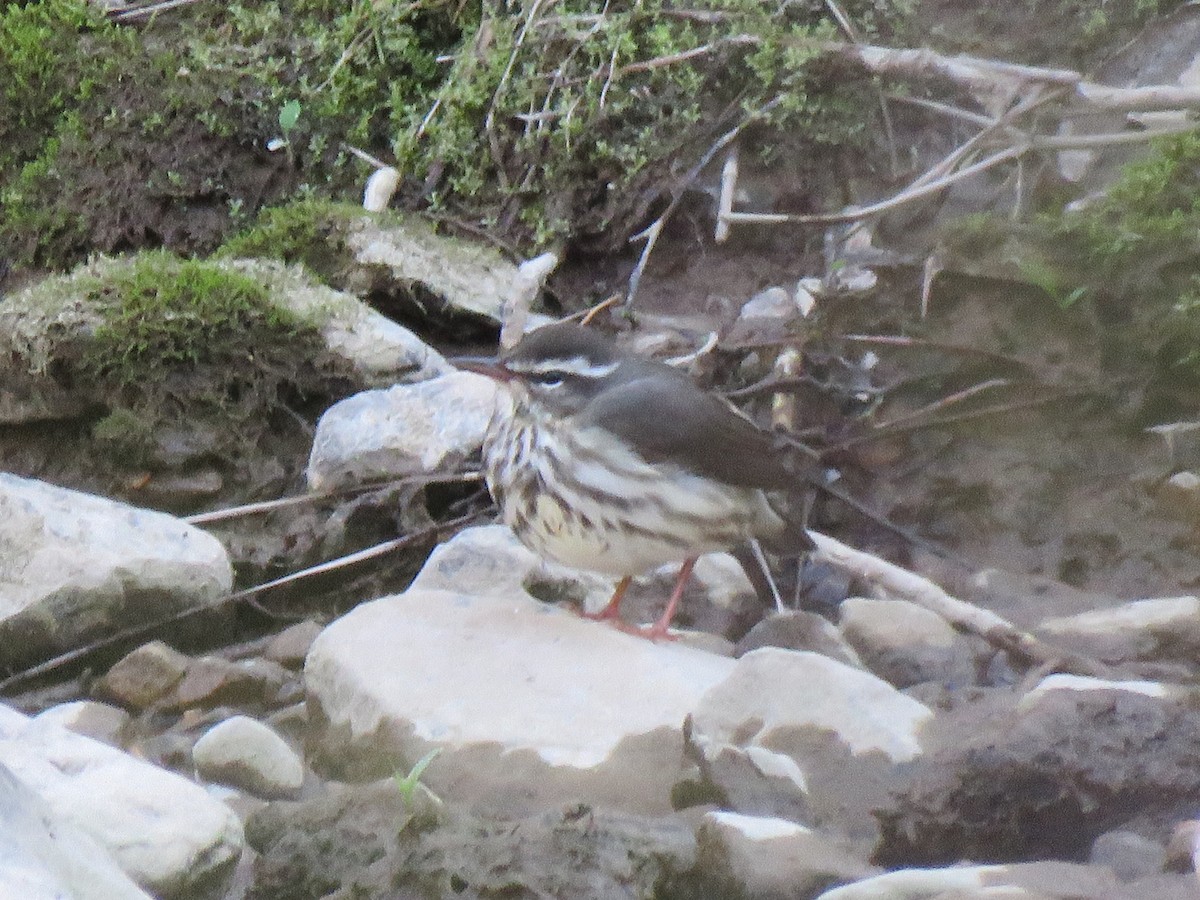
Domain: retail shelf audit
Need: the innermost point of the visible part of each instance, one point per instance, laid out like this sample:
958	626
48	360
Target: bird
612	462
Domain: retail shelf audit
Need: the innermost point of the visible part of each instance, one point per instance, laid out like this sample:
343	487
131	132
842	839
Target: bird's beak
483	365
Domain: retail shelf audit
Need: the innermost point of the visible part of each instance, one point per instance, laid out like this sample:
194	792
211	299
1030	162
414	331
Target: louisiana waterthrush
611	462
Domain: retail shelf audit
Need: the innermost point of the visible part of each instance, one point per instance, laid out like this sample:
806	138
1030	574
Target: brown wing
672	419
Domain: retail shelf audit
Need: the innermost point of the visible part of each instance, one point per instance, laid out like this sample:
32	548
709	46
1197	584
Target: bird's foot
656	632
612	609
609	613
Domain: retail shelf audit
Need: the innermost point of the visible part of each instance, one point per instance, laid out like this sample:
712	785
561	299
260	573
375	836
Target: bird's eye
550	379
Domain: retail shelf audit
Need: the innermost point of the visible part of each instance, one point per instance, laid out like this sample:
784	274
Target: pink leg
613	609
660	629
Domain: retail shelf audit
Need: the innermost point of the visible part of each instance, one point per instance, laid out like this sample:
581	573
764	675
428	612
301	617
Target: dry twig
243	596
892	582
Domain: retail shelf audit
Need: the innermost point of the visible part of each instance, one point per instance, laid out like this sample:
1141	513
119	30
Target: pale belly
658	519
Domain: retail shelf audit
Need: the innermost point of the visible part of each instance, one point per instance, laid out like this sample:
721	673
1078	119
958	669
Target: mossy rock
157	341
397	259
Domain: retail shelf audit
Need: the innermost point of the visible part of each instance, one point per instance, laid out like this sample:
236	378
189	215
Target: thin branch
943	403
997	409
904	197
946	109
903	340
265	506
142	12
243	596
891	581
650	234
684	55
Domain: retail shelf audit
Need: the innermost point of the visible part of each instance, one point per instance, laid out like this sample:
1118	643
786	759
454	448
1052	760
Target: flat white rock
1163	627
74	566
163	830
43	857
532	706
772	689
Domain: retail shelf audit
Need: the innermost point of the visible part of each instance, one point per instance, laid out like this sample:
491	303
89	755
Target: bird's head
559	367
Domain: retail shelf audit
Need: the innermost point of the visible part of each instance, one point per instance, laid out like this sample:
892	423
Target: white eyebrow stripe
577	365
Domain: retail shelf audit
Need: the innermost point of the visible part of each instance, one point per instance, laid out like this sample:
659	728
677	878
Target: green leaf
409	782
289	115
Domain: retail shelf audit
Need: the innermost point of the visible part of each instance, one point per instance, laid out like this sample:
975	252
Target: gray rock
799	630
34	320
246	754
465	276
290	646
213	681
575	853
1128	854
774	858
165	832
906	644
796	734
532	706
379	350
75	567
404	430
143	676
1003	775
1152	630
45	857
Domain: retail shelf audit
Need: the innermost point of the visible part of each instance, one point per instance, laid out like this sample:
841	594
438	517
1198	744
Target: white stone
771	689
43	857
804	299
777	765
1064	682
1164	627
165	832
915	884
771	303
408	429
758	828
245	753
74	566
1043	879
772	857
379	189
532	706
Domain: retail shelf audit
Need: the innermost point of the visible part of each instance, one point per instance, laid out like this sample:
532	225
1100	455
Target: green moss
161	314
309	232
50	60
1134	239
571	123
541	122
127	436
